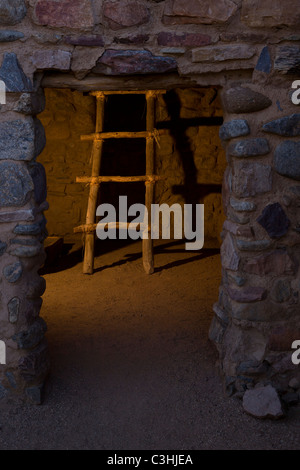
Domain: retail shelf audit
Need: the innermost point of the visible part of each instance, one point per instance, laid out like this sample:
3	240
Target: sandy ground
132	366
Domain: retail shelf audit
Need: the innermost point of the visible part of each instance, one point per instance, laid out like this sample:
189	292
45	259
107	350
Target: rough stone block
13	76
288	126
17	140
129	62
31	337
36	363
287	159
125	13
277	262
229	256
251	178
247	294
287	60
51	60
75	14
263	402
249	148
223	52
13	307
242	206
185	39
234	128
193	11
15	184
38	175
264	63
12	11
10	36
244	100
270	13
274	220
13	272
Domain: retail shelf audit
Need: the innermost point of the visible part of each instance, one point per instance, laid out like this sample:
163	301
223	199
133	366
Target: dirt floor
132	366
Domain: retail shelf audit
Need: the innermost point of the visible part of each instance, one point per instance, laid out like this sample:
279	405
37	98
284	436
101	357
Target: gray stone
3	247
242	206
36	363
14	216
229	255
263	402
251	178
12	11
13	309
281	291
244	100
287	159
234	128
221	314
38	175
264	63
35	394
24	241
238	280
26	251
288	126
216	330
129	62
223	52
15	184
287	60
247	294
240	218
11	378
255	245
13	272
274	220
249	148
29	229
10	36
36	288
31	103
252	367
13	76
32	337
17	140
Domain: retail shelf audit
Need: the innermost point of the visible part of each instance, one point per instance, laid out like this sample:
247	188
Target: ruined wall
250	50
191	158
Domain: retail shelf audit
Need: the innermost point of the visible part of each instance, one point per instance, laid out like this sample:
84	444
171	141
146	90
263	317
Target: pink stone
277	263
125	13
240	230
247	294
186	39
229	255
65	13
198	12
51	59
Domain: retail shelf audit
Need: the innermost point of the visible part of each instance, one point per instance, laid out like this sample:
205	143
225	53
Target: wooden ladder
95	179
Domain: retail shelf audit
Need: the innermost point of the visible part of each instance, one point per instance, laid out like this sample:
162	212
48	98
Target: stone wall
247	48
191	158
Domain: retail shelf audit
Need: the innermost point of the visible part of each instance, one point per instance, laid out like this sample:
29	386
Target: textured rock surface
263	402
229	255
12	11
234	128
12	74
287	60
186	39
55	59
270	13
221	53
17	140
277	262
251	179
249	148
244	100
264	63
288	126
15	184
130	62
274	220
180	11
10	36
287	159
125	13
65	13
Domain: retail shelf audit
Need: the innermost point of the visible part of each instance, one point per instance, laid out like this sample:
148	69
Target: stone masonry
248	50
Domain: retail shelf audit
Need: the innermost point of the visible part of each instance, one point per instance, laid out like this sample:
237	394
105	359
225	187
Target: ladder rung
107	225
126	92
118	179
124	135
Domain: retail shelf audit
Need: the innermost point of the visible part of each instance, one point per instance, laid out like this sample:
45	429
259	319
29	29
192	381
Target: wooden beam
125	135
117	179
